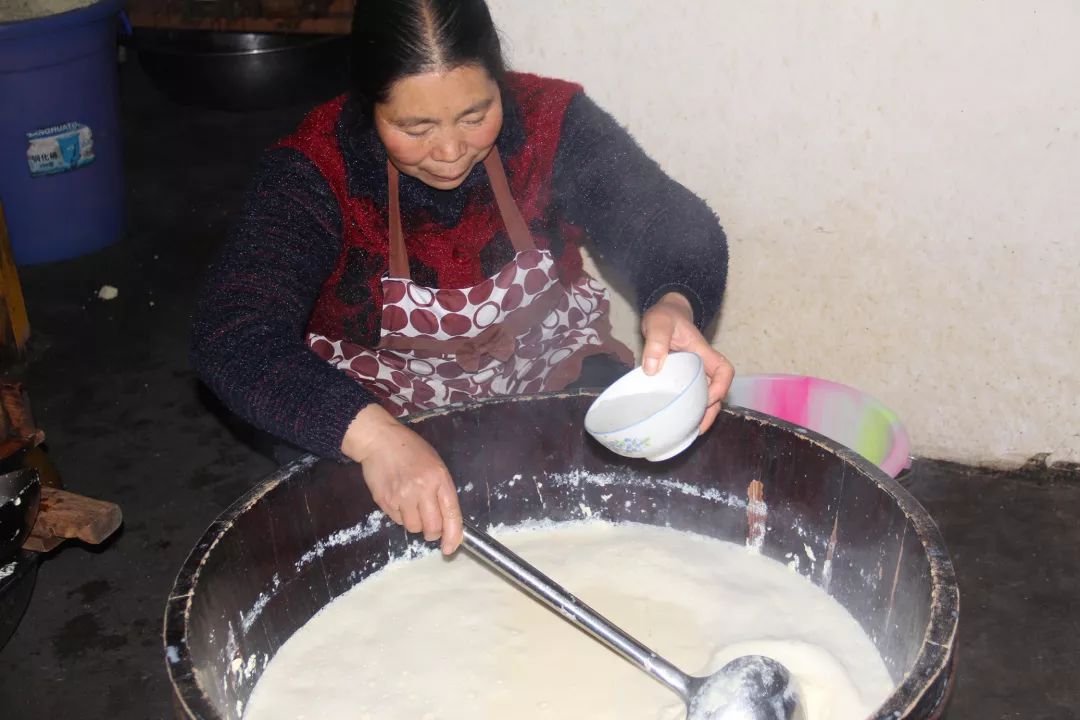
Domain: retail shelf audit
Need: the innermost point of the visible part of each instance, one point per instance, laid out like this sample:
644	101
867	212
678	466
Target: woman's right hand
407	478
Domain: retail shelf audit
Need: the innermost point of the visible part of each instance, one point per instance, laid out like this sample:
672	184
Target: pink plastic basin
839	412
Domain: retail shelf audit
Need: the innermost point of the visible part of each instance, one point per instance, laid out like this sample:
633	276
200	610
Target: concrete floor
126	422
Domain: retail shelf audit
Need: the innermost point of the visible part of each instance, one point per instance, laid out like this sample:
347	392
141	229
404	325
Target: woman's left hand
669	325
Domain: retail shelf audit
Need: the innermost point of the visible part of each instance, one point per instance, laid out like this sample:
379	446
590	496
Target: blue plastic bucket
61	172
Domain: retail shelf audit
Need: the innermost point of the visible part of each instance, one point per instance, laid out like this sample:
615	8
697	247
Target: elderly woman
417	243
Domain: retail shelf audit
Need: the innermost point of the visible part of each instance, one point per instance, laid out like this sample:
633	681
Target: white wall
900	182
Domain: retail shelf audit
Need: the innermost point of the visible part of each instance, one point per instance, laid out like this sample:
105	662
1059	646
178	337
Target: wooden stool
62	515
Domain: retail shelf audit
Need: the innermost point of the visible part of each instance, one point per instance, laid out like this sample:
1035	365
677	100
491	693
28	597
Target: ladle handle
547	591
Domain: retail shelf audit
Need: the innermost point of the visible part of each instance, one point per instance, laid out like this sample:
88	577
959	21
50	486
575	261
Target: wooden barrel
310	532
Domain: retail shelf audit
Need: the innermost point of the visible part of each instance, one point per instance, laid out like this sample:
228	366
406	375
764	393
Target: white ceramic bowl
652	417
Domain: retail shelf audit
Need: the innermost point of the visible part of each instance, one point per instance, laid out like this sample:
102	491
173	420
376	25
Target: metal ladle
752	687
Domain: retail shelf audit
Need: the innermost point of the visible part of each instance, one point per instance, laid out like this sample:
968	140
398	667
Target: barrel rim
925	686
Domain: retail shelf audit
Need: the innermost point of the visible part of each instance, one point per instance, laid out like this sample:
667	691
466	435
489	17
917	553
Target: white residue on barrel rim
231	654
710	494
248	619
240	668
795	562
539	494
577	478
251	665
7	570
363	529
526	525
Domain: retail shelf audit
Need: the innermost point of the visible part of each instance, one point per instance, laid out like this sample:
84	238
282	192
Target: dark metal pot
20	495
16	589
310	532
243	71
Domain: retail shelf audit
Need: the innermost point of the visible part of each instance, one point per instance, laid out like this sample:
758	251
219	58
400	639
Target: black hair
393	39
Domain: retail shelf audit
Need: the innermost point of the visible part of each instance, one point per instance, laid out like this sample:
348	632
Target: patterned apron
520	331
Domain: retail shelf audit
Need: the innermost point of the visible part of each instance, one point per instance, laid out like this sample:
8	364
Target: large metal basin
308	534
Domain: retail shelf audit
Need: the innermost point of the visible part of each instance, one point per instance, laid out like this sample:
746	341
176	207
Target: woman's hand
407	478
669	325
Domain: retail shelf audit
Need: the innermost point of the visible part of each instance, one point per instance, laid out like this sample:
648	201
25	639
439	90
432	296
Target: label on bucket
59	148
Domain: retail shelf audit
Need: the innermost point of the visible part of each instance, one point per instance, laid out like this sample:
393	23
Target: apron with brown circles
520	331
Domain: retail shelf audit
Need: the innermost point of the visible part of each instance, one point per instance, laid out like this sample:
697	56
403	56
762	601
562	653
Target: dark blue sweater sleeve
248	342
649	228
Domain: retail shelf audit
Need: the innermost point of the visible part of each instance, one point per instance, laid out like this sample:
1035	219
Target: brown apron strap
399	258
516	227
515	224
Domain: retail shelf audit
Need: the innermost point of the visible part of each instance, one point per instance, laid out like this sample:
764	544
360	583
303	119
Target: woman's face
437	126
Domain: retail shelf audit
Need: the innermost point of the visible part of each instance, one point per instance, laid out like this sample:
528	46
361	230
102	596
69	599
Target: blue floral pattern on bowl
629	445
